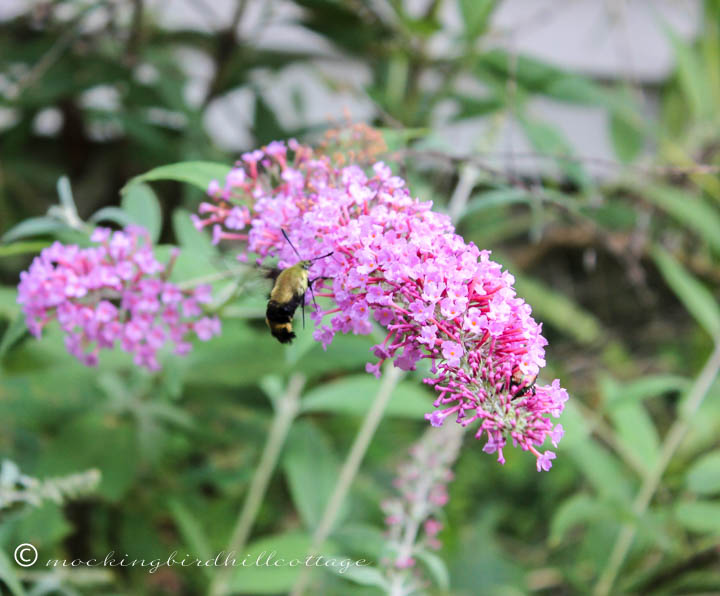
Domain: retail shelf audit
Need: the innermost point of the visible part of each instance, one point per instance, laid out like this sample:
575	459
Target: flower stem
286	410
391	377
672	441
469	176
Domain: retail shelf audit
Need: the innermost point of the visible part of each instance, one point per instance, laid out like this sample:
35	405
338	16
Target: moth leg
310	283
310	286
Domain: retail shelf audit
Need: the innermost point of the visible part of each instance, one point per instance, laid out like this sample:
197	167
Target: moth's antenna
322	257
284	233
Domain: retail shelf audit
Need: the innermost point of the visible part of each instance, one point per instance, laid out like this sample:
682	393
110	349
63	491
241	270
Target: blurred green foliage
623	271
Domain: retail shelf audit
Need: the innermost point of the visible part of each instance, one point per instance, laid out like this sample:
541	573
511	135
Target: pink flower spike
397	263
110	293
412	516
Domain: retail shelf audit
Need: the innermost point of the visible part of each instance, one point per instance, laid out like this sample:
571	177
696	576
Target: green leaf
636	430
699	516
687	209
118	460
311	469
364	539
496	198
301	347
704	475
475	16
273	386
9	308
365	576
271	565
698	300
221	361
602	469
532	75
348	352
43	525
481	566
8	576
34	226
473	107
558	310
167	413
641	389
538	77
692	76
65	193
574	511
191	529
577	428
548	140
14	332
188	265
114	214
189	237
266	126
626	138
436	567
22	248
354	394
575	89
398	138
141	204
197	173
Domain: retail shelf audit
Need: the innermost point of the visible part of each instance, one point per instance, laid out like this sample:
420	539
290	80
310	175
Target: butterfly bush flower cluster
399	263
412	518
113	293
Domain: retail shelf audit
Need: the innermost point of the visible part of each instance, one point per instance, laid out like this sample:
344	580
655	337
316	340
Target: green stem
391	376
672	441
469	176
286	410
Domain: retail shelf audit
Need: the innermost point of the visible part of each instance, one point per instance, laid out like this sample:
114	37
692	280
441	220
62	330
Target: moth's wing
269	272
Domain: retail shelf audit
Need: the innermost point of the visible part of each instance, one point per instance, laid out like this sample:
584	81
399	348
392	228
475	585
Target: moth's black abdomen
283	333
282	312
279	318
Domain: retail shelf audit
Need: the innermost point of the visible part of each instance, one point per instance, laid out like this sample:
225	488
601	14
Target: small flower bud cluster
113	293
412	518
17	488
399	263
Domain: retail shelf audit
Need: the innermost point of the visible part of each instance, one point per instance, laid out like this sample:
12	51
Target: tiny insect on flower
287	294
